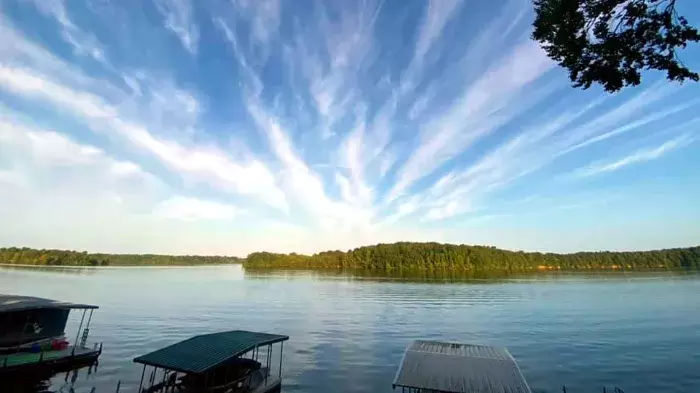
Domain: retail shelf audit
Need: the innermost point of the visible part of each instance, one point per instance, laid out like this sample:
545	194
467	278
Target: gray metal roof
451	367
10	303
203	352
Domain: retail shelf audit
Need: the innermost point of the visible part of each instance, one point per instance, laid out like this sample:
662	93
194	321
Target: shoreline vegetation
389	258
34	257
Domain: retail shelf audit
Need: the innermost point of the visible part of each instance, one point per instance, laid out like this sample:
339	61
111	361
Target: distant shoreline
388	259
34	257
117	266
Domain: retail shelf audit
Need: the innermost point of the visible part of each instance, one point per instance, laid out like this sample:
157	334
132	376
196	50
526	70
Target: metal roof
203	352
451	367
10	303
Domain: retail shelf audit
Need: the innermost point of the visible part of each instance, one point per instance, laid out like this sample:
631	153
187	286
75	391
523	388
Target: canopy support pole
281	350
153	376
86	331
142	374
78	333
267	361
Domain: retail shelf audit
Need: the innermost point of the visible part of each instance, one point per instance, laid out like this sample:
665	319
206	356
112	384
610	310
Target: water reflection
348	330
432	276
80	270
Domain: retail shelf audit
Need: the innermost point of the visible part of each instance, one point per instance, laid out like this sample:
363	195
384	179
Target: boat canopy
452	367
11	303
204	352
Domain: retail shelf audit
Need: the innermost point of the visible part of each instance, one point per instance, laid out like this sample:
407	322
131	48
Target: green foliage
30	256
449	257
611	41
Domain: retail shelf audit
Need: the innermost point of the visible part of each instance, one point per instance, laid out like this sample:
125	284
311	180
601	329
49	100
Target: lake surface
639	331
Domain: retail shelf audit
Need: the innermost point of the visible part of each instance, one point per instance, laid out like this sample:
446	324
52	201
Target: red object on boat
59	344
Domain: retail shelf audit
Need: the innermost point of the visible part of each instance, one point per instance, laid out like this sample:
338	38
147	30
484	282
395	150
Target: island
466	258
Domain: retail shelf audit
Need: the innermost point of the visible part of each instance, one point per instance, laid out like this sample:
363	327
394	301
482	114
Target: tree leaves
611	41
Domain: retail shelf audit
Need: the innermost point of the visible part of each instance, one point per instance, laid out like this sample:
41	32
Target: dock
432	366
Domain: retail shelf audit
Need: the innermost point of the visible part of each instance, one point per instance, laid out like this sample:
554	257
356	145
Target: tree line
30	256
449	257
431	257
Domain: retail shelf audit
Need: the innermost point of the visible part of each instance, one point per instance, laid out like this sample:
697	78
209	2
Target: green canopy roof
201	353
10	303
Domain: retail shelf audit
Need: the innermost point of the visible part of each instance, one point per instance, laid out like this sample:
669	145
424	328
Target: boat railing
77	348
45	355
615	389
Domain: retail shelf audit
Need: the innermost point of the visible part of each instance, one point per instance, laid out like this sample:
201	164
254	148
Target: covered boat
32	336
225	362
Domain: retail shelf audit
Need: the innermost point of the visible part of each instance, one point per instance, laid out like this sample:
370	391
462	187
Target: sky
227	127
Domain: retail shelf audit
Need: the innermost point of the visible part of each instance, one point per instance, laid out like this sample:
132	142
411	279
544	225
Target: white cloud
353	158
50	149
179	19
251	79
301	183
450	209
82	42
638	156
473	114
206	164
263	16
13	178
541	143
438	13
333	68
193	209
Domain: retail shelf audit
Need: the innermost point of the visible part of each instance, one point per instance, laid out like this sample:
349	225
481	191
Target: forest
450	257
30	256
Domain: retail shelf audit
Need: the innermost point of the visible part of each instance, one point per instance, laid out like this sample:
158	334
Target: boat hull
46	363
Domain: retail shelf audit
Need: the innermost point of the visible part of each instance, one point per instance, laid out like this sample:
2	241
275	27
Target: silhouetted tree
611	41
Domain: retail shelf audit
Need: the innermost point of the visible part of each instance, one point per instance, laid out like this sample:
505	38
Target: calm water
640	332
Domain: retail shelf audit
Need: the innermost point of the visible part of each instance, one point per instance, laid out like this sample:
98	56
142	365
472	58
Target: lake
638	331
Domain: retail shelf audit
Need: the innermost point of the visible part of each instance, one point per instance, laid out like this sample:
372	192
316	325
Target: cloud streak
639	156
178	15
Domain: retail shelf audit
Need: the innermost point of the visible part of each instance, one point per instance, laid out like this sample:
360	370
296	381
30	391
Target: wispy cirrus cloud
208	164
83	43
193	209
639	156
474	114
179	19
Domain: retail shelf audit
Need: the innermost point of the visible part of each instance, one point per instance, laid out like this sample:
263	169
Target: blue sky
225	127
